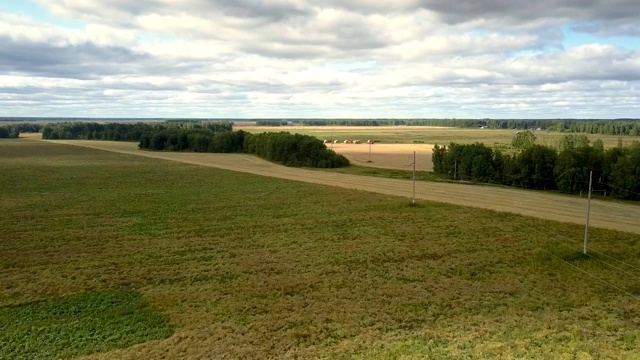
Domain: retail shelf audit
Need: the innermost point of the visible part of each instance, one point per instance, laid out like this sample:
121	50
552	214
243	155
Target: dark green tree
536	167
625	174
523	140
573	141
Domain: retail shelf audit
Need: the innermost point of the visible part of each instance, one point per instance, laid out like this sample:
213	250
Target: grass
252	267
431	176
386	173
441	136
77	325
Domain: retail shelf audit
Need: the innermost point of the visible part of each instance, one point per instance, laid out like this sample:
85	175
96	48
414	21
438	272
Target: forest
218	137
271	123
604	127
566	168
12	131
282	147
616	171
293	150
124	131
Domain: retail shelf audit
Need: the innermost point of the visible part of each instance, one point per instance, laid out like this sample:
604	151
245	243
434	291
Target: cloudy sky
320	59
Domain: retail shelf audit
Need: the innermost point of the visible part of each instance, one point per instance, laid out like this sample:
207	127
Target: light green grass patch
387	173
82	324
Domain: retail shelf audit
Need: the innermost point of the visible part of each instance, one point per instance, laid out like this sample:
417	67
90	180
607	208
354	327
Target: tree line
282	147
219	137
122	131
271	123
566	168
195	139
293	150
604	127
13	130
344	122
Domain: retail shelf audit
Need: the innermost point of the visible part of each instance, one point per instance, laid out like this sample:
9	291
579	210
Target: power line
595	258
619	188
588	273
636	277
604	262
595	251
593	276
607	256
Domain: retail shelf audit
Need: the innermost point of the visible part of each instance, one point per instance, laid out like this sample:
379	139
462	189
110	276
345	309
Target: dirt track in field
605	214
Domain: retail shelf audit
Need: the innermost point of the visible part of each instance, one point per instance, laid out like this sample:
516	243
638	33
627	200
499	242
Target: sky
320	59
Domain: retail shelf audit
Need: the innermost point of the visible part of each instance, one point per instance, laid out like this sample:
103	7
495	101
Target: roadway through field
605	214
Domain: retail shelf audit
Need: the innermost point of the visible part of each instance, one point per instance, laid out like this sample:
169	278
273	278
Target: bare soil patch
605	214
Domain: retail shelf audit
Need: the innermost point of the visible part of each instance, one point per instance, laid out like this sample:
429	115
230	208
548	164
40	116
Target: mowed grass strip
81	324
251	267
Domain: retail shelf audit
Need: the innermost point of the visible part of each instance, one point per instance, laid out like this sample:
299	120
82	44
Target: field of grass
245	266
432	135
388	173
81	324
616	215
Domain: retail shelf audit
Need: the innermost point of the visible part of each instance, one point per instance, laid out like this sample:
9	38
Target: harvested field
337	129
431	134
387	156
606	214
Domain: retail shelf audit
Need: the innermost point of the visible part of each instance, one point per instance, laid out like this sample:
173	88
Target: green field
243	266
433	135
81	324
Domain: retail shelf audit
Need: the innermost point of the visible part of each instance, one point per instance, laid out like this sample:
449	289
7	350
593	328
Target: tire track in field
605	214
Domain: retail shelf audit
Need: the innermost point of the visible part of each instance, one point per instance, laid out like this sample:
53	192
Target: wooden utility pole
414	178
586	226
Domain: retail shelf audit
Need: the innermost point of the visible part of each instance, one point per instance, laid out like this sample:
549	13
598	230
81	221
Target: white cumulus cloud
325	58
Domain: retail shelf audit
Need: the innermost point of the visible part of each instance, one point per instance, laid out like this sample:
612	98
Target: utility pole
414	178
369	150
586	226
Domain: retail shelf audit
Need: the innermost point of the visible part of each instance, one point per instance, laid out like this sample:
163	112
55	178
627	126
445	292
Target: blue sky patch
575	38
34	11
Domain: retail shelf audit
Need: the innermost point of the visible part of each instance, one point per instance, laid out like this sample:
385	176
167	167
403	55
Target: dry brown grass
606	214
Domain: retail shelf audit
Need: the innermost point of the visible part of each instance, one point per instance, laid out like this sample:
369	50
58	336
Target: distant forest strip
13	131
616	171
219	137
124	131
604	127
